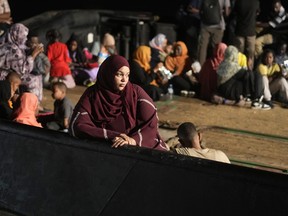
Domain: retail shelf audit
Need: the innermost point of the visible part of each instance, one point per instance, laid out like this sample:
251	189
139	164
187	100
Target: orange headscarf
26	112
178	64
142	56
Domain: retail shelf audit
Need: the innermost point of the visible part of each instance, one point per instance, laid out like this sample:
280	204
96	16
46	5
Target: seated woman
82	70
158	44
208	75
143	75
179	63
116	110
275	83
235	82
26	109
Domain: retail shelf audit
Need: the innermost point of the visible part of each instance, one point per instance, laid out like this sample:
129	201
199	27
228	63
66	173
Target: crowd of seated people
122	86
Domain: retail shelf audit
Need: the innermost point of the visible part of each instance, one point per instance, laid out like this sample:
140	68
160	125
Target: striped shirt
281	16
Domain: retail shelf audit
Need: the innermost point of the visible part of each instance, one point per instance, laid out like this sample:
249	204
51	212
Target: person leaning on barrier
190	144
115	110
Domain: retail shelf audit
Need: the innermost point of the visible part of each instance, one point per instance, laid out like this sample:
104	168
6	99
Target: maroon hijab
108	104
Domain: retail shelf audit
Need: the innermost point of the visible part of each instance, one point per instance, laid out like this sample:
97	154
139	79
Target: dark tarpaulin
50	173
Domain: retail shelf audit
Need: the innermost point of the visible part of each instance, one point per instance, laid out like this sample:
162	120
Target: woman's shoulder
138	89
141	93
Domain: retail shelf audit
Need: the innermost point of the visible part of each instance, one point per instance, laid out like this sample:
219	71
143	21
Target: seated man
190	144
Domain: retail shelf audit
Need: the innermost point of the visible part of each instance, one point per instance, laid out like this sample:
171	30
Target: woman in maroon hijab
208	75
116	110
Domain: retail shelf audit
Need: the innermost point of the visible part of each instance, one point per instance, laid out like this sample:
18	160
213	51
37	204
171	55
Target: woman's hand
123	139
158	66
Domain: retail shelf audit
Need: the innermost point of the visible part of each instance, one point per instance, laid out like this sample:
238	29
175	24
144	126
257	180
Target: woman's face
178	50
121	78
73	45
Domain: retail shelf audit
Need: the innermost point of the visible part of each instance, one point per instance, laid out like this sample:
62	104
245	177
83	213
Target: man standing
245	14
212	33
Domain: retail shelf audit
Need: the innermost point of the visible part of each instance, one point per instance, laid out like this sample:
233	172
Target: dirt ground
253	138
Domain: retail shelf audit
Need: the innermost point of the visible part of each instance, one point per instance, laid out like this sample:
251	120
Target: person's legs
216	36
203	44
240	43
53	125
267	93
250	48
280	85
257	85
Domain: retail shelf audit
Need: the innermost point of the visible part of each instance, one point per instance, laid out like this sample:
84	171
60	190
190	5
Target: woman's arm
82	124
139	76
146	131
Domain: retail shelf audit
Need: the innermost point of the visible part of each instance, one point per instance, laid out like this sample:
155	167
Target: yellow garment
10	104
266	70
242	60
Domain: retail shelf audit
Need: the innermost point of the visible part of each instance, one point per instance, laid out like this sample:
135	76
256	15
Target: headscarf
17	34
218	55
77	55
108	40
142	56
229	66
208	76
157	42
13	49
242	60
5	95
107	103
177	64
25	113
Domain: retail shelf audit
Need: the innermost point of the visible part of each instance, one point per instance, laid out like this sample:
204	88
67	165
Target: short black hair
186	131
61	85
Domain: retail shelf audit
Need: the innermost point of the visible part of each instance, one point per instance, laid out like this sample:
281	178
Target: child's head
53	35
186	133
59	90
33	40
268	57
15	81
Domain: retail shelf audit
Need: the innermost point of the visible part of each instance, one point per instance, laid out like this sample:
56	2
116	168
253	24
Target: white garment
210	154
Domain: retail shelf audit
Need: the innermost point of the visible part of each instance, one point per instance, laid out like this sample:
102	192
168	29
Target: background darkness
165	11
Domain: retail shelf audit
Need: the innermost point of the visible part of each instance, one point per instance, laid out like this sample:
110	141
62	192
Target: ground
254	138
